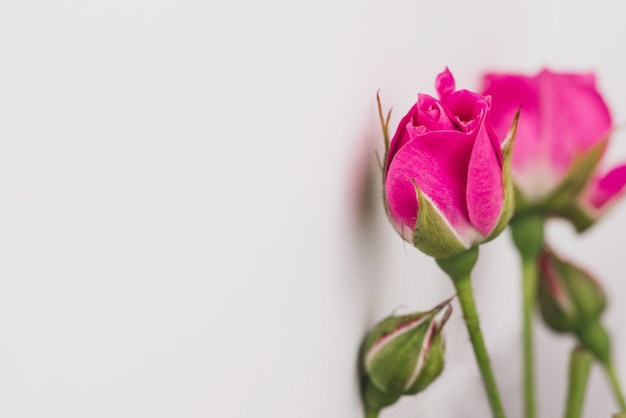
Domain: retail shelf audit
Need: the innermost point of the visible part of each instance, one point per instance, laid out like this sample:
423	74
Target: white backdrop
180	232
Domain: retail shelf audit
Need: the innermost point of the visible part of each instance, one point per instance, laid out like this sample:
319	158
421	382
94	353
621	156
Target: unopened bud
570	298
403	355
572	301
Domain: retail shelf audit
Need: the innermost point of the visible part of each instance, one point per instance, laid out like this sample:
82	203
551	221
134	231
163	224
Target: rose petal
438	163
445	84
601	191
401	136
575	116
485	189
431	115
508	93
562	115
467	109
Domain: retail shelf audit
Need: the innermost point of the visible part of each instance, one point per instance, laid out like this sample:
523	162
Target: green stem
459	268
529	284
528	238
466	299
579	367
371	414
614	382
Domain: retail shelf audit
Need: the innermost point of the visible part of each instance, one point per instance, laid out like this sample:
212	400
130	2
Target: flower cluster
458	170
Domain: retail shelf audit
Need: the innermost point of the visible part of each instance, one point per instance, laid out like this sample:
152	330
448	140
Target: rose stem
614	381
579	367
371	414
529	288
459	269
528	238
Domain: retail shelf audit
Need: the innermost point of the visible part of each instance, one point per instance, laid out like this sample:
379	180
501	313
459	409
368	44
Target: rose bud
561	137
446	174
570	298
402	355
572	301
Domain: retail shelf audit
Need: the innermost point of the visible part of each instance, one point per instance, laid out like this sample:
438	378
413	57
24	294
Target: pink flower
445	176
561	137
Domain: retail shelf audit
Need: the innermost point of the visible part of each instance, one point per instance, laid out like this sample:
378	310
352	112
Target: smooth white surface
179	228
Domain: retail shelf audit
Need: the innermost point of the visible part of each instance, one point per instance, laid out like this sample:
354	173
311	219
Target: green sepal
387	326
393	365
391	352
384	123
579	217
522	205
566	194
374	398
597	340
508	206
432	234
582	302
433	365
555	316
588	295
564	200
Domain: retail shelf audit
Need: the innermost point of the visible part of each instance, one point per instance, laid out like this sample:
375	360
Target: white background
180	227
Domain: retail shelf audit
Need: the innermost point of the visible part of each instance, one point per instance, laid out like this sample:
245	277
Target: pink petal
467	109
445	84
603	190
562	115
431	115
438	163
508	93
401	136
575	117
485	189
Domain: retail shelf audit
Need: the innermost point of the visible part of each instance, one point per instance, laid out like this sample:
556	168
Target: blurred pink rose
446	155
562	133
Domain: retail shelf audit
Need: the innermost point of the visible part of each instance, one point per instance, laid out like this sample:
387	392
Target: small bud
570	298
402	356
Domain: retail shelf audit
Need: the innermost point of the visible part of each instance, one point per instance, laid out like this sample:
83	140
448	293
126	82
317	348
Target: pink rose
561	137
445	182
